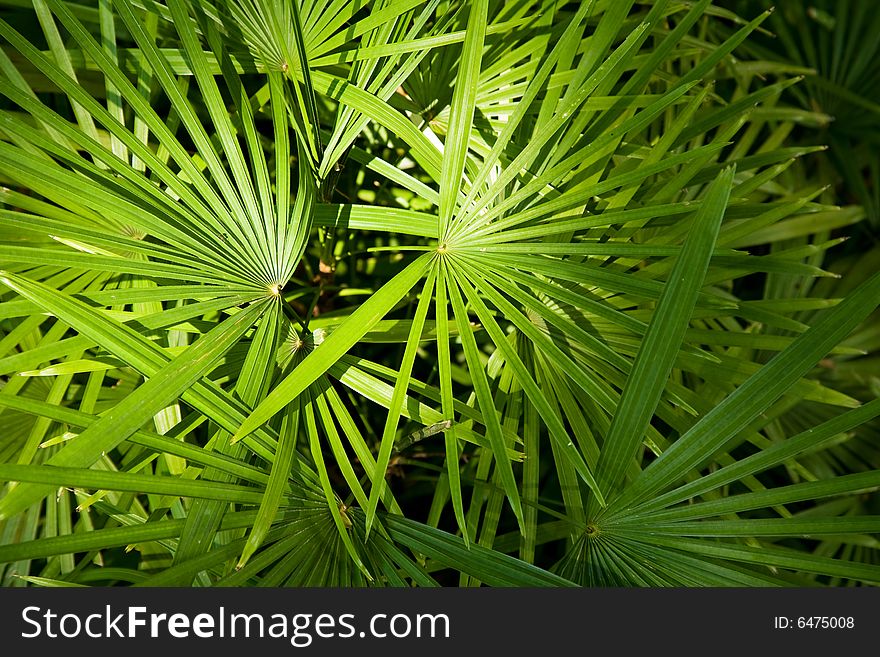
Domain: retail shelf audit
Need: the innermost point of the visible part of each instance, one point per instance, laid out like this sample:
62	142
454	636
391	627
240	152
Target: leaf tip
243	432
243	559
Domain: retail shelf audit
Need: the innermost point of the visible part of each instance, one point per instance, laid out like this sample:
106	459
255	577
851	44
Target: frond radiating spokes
420	293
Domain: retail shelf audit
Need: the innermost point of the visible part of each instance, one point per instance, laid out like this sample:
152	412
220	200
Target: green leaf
726	420
62	477
659	348
489	566
557	431
464	98
271	499
767	458
397	398
100	539
447	404
130	414
336	344
483	394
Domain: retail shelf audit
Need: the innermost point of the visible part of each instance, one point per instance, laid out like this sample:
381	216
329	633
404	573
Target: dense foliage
419	292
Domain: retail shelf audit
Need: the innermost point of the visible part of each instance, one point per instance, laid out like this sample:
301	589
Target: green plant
257	268
831	43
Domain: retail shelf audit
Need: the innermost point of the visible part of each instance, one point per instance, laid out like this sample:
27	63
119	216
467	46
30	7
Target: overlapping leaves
570	360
